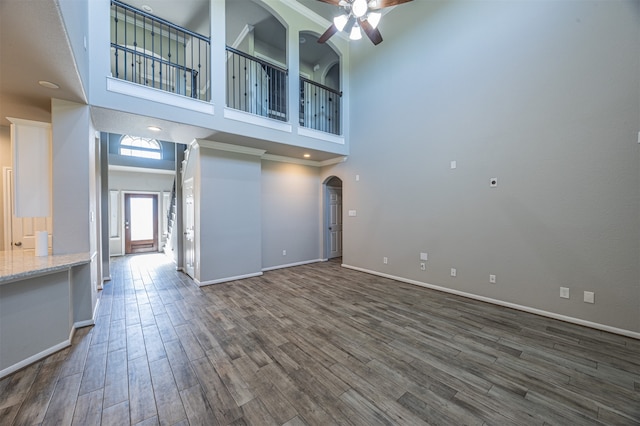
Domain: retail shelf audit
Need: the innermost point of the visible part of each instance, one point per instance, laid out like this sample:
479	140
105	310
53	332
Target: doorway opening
140	223
333	217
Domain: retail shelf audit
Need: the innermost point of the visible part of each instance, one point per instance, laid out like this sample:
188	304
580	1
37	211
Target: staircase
170	232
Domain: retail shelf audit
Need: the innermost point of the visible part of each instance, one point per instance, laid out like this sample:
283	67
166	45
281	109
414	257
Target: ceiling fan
358	15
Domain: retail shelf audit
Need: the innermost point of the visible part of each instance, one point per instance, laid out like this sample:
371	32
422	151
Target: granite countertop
17	265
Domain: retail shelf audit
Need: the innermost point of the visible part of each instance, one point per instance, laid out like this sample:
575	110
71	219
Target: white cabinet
31	148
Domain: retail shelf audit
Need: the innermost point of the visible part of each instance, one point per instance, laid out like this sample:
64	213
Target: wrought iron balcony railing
151	51
256	86
320	107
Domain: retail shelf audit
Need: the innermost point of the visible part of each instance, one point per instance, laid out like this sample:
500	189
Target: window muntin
134	146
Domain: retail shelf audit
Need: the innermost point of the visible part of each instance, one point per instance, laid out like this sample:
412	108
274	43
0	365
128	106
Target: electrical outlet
385	260
453	165
589	297
423	266
564	292
284	252
454	272
492	279
424	256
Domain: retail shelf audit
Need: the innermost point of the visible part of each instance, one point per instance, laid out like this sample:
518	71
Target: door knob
18	244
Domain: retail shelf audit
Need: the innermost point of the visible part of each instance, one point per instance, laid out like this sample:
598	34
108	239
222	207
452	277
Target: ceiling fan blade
373	33
388	3
335	2
327	34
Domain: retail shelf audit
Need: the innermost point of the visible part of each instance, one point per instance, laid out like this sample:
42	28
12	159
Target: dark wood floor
318	344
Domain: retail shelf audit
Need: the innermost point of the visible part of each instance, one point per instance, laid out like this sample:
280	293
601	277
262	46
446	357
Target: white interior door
21	231
335	222
189	224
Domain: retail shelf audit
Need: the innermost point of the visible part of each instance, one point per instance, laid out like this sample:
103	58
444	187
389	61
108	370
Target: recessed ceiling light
147	8
154	128
48	84
307	156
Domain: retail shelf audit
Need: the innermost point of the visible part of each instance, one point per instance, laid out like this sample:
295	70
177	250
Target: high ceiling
34	47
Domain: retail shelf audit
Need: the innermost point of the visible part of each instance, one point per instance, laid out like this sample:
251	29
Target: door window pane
141	219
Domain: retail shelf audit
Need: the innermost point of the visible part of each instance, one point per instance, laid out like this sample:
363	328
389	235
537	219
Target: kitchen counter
18	265
43	299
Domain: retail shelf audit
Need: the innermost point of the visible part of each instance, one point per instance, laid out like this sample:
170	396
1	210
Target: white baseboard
224	280
36	357
53	349
289	265
81	324
578	321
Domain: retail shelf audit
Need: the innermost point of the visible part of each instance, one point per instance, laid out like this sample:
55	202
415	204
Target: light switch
454	164
352	213
424	256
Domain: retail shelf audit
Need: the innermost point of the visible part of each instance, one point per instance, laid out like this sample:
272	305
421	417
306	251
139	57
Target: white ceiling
34	47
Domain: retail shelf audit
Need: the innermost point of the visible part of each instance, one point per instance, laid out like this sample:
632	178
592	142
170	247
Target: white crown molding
269	123
316	134
333	161
23	122
291	160
311	163
245	31
219	146
124	87
307	13
116	168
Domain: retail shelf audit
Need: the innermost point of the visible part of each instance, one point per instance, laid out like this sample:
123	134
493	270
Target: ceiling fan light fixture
374	18
356	34
340	21
359	8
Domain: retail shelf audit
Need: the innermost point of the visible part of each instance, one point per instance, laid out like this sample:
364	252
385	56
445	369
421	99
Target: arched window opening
134	146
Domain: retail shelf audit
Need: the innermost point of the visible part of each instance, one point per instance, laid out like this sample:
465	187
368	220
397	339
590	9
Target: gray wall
229	215
76	210
545	96
72	168
290	213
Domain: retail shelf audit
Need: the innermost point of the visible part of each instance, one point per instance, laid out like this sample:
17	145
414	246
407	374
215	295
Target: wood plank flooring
319	345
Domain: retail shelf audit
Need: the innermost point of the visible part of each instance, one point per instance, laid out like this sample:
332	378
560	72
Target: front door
335	222
188	227
140	223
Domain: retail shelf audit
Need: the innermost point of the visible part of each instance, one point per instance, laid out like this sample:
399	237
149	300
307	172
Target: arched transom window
134	146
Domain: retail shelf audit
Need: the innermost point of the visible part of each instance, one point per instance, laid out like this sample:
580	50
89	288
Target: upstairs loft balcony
154	52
